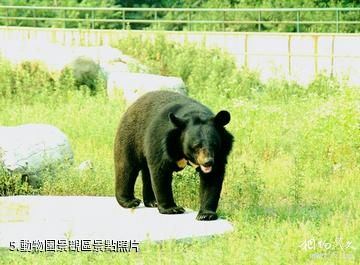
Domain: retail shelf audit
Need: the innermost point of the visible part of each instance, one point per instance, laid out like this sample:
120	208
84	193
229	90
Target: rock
134	85
115	68
85	166
86	72
27	149
95	218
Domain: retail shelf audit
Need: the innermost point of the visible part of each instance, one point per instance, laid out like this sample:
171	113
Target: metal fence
203	19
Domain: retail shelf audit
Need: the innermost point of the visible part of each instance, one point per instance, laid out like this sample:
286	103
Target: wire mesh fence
346	20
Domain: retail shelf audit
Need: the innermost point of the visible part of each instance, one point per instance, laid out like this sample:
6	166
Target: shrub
32	79
13	184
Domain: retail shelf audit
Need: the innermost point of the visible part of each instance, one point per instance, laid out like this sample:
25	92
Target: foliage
266	17
11	184
48	13
31	79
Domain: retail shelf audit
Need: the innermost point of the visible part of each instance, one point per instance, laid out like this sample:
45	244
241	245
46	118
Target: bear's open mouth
206	169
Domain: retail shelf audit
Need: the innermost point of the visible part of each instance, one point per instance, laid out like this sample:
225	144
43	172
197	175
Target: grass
292	178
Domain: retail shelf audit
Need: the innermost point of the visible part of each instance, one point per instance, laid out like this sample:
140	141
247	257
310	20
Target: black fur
158	130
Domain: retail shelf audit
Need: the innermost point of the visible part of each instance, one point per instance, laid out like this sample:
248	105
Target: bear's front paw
130	203
151	204
172	210
206	216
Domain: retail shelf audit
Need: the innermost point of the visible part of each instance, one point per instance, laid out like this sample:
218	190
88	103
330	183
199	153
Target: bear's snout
209	162
206	167
205	160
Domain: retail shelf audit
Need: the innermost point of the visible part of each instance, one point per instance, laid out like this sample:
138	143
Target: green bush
32	79
13	184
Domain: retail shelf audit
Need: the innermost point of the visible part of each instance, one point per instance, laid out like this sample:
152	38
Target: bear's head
201	137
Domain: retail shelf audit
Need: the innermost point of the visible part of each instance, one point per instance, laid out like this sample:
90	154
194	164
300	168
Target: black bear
160	133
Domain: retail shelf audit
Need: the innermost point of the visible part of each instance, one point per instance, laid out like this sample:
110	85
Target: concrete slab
39	218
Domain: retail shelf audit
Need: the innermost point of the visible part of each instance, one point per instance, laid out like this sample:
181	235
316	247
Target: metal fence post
223	24
92	19
297	21
189	20
34	16
123	19
259	21
337	20
7	17
156	19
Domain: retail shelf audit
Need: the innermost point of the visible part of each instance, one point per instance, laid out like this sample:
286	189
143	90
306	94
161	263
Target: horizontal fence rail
191	19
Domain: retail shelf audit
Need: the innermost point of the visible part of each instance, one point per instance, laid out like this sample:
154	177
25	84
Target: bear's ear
178	122
222	118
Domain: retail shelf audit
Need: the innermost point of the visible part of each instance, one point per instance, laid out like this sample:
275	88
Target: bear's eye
196	146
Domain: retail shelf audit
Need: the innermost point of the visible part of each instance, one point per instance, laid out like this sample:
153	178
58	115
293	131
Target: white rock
28	148
95	218
85	166
134	85
113	68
